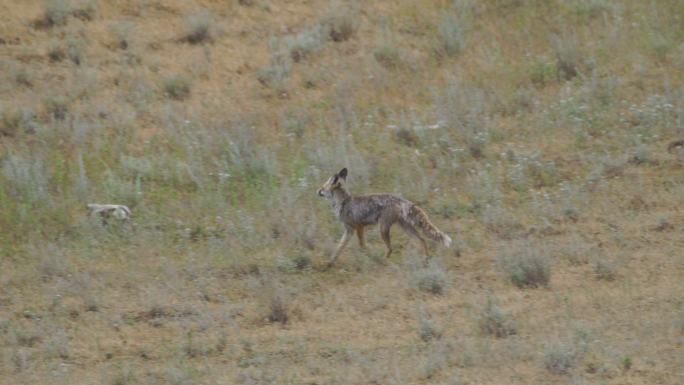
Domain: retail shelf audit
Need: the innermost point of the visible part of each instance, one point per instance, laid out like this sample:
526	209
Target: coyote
356	212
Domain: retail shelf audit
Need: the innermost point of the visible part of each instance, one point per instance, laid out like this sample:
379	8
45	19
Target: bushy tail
418	218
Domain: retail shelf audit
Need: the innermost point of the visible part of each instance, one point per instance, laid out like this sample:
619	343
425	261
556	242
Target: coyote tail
418	218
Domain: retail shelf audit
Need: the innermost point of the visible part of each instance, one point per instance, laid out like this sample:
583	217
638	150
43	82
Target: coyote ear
343	173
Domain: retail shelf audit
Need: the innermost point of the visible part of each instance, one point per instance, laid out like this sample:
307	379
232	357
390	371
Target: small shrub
493	321
11	122
388	56
90	303
275	75
501	221
177	87
450	36
542	73
74	51
679	322
28	181
85	10
438	357
663	225
428	329
21	359
57	346
522	100
559	358
340	24
568	57
192	347
464	108
660	46
641	155
55	13
122	31
123	376
56	107
278	311
199	28
407	137
23	78
430	279
304	43
604	270
607	168
56	52
26	338
301	262
526	267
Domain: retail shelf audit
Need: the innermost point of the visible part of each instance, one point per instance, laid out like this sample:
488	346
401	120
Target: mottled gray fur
356	212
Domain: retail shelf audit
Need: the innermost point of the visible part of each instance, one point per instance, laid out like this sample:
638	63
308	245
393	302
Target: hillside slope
535	133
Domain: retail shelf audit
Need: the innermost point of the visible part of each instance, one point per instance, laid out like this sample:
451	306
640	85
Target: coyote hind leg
410	230
385	234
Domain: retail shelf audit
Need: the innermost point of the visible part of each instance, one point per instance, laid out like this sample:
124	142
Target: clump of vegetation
55	13
604	270
56	52
304	43
526	267
428	328
57	107
679	322
439	355
301	261
493	321
193	347
84	10
11	122
451	36
278	311
568	57
199	28
340	24
275	75
560	358
407	136
177	87
22	360
388	56
74	50
123	376
122	32
430	279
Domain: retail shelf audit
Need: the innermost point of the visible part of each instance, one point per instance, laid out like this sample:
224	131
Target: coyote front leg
340	246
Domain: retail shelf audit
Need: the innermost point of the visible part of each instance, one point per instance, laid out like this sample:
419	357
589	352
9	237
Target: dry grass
534	133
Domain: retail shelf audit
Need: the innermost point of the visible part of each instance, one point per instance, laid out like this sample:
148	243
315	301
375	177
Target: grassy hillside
535	133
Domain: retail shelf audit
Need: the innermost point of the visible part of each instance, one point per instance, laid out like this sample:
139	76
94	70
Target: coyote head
334	182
